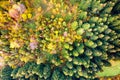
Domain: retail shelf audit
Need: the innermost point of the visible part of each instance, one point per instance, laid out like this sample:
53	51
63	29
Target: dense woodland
59	39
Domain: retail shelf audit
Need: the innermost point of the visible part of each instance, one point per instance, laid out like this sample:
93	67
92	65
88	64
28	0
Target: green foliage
116	8
59	40
74	25
5	73
57	75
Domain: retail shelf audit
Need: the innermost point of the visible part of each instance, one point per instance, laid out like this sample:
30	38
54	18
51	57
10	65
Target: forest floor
111	73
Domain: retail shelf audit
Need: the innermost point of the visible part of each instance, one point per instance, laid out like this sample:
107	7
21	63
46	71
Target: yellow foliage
40	60
24	17
24	59
46	22
11	64
29	16
14	44
4	4
50	46
39	9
